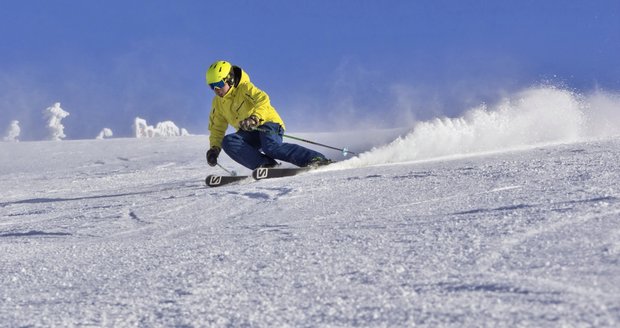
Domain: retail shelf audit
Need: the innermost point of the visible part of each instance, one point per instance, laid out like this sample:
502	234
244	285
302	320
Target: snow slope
122	232
507	216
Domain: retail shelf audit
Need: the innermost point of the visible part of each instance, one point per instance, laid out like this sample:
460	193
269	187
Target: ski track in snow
122	232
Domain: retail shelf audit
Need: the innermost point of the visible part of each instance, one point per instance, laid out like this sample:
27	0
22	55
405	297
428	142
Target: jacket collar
244	78
231	93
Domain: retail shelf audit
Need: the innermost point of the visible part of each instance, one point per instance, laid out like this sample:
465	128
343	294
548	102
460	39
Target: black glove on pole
212	155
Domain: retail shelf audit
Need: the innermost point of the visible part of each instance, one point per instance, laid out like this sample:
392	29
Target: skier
258	139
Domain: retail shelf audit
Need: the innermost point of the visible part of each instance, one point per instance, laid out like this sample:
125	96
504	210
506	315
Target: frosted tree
167	129
141	129
105	133
12	132
162	129
54	116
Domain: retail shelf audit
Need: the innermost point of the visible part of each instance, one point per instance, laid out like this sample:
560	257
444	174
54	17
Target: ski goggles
217	85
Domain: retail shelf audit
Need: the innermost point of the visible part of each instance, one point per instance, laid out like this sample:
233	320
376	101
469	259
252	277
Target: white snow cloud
539	115
602	114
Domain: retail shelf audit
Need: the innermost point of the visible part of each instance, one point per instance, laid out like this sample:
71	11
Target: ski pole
233	173
344	151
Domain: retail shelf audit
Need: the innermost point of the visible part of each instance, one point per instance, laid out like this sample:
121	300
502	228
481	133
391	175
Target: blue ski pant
253	149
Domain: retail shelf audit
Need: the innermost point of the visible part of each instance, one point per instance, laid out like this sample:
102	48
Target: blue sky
326	64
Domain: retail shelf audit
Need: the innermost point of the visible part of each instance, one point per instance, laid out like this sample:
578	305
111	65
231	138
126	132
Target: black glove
212	155
249	124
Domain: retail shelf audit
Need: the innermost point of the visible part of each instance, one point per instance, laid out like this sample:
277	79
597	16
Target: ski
277	172
258	174
221	180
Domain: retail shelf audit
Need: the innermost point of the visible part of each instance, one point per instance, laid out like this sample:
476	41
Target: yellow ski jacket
242	100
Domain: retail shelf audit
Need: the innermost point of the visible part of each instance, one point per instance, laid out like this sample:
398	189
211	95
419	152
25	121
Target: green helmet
218	72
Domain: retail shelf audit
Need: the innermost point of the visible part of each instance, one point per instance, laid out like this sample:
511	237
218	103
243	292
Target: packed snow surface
507	216
123	232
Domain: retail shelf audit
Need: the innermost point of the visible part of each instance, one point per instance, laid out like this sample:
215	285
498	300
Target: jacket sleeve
261	105
217	126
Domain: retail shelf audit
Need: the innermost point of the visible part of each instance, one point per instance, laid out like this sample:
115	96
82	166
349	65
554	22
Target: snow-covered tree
12	132
105	133
54	116
141	129
162	129
167	129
